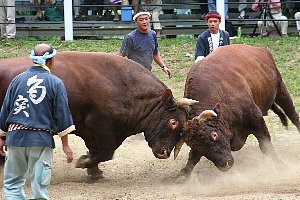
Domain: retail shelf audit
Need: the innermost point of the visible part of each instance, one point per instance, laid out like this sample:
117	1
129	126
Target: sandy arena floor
135	174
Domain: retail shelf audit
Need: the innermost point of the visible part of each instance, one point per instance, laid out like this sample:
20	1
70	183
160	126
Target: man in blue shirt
35	107
212	38
141	44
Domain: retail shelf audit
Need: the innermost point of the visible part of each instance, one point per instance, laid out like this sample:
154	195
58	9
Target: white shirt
215	40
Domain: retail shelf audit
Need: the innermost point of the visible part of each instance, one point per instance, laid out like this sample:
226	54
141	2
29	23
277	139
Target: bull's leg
185	173
284	100
194	158
91	161
264	139
95	173
93	170
101	148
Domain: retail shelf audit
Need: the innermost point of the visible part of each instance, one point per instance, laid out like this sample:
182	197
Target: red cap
212	15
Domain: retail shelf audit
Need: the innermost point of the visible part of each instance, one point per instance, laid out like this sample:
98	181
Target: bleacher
178	17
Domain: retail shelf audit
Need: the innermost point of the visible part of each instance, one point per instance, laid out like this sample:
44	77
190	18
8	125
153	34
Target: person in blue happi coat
35	108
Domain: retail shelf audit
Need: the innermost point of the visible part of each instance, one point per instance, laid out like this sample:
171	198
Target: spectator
141	44
76	4
119	2
297	17
273	12
153	7
135	4
212	7
38	4
34	108
203	9
212	38
242	7
115	9
7	19
84	9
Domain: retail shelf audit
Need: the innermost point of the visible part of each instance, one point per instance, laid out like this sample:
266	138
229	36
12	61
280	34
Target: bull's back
9	68
232	73
92	78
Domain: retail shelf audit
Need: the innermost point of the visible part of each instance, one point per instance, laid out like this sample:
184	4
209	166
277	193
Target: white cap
139	14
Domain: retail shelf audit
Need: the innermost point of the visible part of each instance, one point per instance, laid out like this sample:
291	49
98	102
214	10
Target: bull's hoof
95	173
82	161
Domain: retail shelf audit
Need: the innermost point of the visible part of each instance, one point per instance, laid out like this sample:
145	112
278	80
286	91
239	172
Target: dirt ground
134	173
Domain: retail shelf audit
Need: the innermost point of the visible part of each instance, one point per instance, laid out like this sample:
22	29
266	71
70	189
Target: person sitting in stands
153	7
119	2
297	17
273	12
135	6
115	9
242	7
84	9
212	7
203	8
76	8
38	4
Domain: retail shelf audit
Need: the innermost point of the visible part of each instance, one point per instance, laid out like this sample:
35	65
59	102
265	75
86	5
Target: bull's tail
280	114
285	102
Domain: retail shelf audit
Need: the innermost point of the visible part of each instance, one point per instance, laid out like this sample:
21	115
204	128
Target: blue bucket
126	14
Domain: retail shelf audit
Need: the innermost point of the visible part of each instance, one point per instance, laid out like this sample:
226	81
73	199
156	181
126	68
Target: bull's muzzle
163	155
226	166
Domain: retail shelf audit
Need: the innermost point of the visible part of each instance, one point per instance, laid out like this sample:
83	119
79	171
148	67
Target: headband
41	59
213	15
139	14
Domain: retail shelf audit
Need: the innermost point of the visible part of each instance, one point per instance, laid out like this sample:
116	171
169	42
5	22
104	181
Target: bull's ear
167	99
217	109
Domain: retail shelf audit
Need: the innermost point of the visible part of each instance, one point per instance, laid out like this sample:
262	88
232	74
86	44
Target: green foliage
178	53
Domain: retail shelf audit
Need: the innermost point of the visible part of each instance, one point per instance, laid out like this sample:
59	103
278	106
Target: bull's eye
173	123
214	136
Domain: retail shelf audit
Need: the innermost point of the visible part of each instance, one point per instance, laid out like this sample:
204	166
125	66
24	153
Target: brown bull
240	83
111	98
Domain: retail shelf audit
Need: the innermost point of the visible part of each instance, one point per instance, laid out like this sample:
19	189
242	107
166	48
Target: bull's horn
186	102
178	146
206	114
